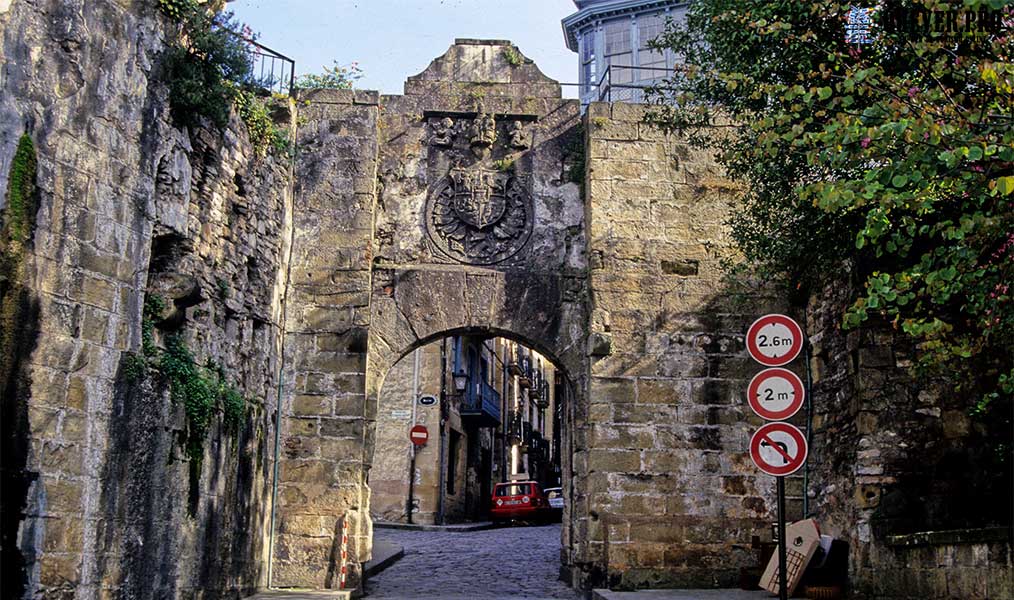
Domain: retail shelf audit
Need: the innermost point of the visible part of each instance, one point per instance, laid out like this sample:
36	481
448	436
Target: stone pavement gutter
459	528
301	595
385	554
726	594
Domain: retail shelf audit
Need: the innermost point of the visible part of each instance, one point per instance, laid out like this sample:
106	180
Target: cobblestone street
510	562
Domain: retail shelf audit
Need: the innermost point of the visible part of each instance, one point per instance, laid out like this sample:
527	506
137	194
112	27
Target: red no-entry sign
778	449
419	435
775	394
774	340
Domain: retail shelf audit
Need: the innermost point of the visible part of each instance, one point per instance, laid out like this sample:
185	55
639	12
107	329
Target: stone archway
458	206
412	307
479	224
453	207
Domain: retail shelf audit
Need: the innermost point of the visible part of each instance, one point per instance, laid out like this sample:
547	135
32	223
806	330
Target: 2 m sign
774	340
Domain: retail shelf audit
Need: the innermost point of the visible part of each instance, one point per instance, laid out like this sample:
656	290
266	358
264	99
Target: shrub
207	66
335	77
264	133
894	158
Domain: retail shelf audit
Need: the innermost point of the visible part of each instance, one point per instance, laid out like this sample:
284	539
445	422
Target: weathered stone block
607	391
662	391
616	461
315	405
341	427
307	471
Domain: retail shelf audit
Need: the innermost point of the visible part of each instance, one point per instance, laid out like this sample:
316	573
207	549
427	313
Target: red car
519	501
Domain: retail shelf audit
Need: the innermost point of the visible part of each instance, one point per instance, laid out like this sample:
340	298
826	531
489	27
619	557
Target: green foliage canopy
893	158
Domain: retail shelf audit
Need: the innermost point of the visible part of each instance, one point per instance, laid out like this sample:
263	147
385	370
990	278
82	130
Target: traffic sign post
779	449
783	570
775	394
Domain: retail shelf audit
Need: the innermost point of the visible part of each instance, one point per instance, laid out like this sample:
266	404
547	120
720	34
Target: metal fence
621	83
269	69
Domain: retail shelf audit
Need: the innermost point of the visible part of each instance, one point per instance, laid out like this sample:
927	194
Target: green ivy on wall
201	390
264	134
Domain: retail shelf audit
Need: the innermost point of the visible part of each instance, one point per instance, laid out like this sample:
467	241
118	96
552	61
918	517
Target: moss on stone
21	197
18	224
513	56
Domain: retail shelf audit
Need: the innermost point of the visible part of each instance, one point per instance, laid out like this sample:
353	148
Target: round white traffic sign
778	449
775	394
774	340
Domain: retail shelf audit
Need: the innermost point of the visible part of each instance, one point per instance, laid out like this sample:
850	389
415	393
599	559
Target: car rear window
516	489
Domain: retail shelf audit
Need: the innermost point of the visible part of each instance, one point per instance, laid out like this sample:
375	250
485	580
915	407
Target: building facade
490	409
611	39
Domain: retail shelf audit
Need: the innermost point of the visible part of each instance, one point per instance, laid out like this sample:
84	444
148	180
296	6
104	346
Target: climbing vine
264	134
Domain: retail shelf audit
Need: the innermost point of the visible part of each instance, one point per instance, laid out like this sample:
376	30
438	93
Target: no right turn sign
778	449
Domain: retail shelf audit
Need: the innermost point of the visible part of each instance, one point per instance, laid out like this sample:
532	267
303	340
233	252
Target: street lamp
460	381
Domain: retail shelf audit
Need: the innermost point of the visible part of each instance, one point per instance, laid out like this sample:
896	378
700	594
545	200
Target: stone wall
894	454
322	479
100	499
970	564
671	495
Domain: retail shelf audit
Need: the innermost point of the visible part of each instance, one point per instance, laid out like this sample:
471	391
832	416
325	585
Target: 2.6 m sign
774	340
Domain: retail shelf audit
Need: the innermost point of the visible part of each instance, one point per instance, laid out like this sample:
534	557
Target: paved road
511	562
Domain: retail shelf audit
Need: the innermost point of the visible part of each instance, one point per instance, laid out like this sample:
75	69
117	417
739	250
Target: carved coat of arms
479	216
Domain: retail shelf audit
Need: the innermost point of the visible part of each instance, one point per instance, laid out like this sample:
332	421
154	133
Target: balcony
525	379
542	398
538	446
526	435
481	403
514	426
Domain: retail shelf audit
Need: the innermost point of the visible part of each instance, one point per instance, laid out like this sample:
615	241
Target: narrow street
509	562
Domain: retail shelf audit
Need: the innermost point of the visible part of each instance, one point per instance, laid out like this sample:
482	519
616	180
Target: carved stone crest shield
479	216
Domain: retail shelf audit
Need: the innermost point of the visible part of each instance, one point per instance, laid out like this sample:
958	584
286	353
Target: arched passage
495	411
415	307
456	208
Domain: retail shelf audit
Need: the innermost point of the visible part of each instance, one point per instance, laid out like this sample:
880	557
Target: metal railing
269	69
620	83
481	400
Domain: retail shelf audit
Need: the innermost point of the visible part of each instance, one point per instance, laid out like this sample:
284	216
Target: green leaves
1004	185
898	160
